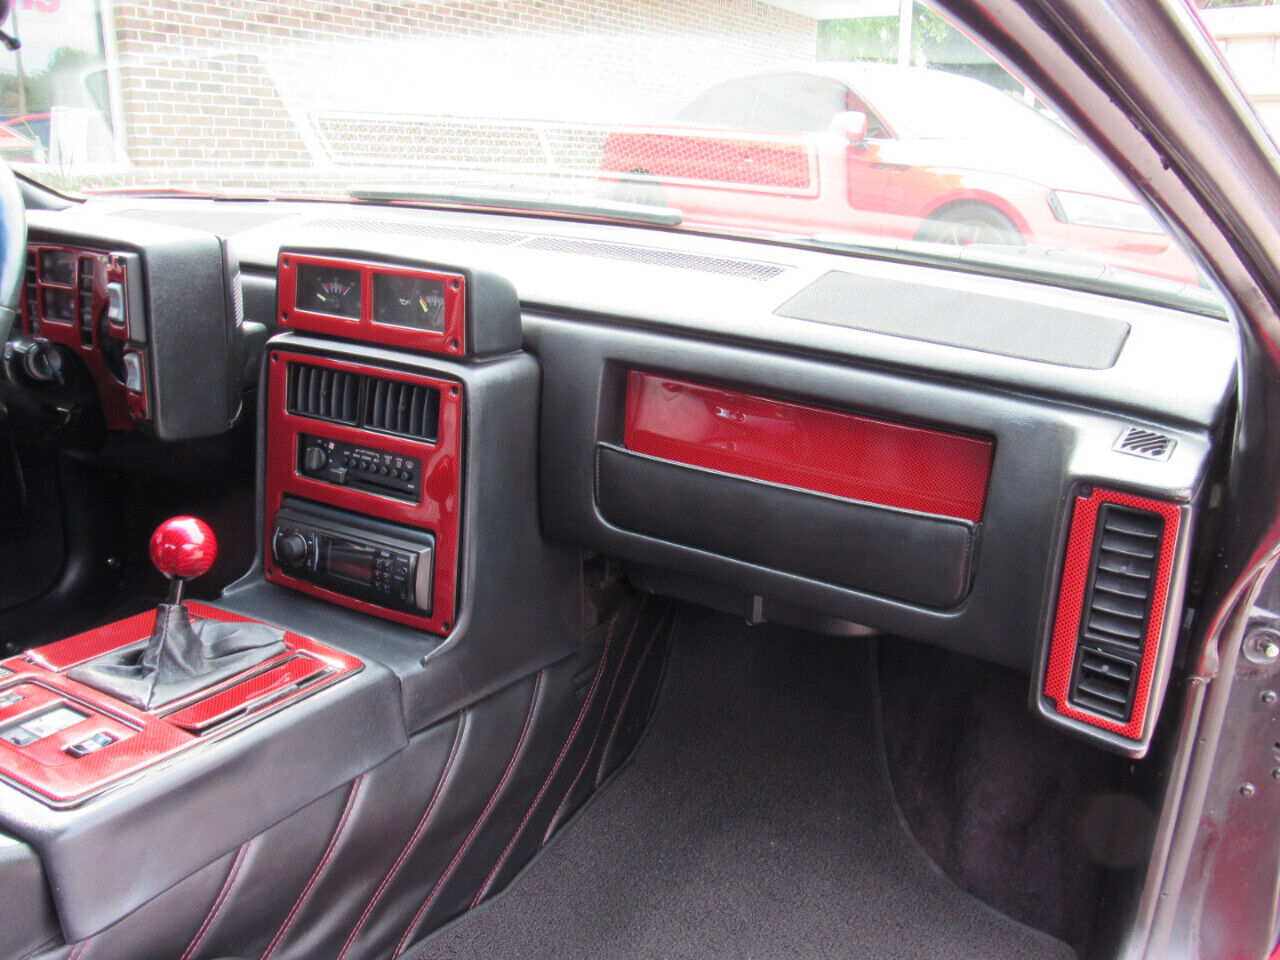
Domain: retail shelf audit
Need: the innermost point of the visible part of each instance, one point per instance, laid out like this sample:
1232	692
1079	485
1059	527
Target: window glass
722	112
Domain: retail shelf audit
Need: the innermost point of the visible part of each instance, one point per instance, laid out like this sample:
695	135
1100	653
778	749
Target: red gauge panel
441	472
1071	595
139	738
826	451
65	299
361	321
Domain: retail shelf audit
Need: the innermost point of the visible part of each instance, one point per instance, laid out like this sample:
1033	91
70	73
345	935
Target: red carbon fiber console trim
826	451
452	341
142	738
441	483
1071	594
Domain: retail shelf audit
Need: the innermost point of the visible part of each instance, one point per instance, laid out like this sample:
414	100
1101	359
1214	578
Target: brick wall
230	94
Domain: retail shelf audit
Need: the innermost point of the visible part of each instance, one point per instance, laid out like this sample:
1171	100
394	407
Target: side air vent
374	403
323	393
407	409
1105	684
1117	609
1148	444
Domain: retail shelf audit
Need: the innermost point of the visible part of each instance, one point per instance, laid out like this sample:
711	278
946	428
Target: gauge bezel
451	340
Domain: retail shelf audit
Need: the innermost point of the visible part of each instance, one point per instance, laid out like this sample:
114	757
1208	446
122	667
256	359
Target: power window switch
92	745
115	303
19	736
133	372
9	699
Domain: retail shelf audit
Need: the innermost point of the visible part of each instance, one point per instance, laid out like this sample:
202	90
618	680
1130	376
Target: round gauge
329	290
408	301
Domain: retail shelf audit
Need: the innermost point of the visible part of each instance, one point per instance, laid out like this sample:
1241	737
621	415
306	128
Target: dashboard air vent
1139	442
407	409
1117	609
323	393
1105	684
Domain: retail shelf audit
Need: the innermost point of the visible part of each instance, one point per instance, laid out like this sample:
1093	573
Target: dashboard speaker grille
1138	442
373	403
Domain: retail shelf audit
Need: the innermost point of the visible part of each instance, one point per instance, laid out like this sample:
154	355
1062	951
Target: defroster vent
1117	610
358	400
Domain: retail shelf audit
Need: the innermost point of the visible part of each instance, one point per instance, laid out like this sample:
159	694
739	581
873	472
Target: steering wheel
13	250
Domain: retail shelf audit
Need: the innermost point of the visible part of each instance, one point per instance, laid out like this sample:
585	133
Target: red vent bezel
812	448
452	341
1071	594
438	512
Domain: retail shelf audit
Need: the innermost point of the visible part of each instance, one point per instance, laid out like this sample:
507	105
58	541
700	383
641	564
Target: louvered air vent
1105	684
408	409
1138	442
374	403
1117	610
323	393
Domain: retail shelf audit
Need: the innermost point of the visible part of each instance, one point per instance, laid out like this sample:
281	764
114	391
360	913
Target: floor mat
753	821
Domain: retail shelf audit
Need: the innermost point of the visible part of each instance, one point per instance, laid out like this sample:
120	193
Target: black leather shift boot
181	658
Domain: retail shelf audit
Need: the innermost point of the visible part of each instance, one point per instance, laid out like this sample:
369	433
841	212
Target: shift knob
183	547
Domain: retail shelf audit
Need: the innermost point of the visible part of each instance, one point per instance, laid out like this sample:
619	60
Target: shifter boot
181	658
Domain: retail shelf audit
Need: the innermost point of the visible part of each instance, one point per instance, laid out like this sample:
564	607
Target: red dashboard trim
143	738
452	341
826	451
1071	594
438	512
118	408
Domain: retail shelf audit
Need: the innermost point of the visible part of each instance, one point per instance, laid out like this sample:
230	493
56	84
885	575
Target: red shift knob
183	547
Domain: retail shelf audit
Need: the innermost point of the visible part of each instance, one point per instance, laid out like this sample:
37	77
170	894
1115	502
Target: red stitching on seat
227	884
395	867
573	733
315	875
488	807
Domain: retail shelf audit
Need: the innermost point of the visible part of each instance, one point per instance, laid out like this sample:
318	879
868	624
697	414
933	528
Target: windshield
795	121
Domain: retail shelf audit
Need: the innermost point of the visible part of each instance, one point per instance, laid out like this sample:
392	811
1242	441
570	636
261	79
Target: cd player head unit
352	555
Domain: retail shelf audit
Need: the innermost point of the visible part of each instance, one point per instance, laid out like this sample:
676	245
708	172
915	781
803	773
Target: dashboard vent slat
1149	444
1117	610
405	409
322	392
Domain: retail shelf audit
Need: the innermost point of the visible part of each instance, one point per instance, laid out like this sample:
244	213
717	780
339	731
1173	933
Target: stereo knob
314	459
289	547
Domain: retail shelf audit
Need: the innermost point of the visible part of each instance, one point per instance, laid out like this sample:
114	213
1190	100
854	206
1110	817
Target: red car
887	151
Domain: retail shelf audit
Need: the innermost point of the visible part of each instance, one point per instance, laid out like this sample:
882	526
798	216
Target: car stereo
353	555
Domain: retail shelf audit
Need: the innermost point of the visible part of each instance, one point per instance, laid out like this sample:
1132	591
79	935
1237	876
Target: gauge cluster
397	305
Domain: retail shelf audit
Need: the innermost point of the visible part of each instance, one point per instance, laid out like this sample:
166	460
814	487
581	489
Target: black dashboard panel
193	338
1055	377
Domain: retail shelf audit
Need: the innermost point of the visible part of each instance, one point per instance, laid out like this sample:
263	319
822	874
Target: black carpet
753	821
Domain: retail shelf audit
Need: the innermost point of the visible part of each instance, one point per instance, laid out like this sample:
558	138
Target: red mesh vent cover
827	451
1075	580
713	157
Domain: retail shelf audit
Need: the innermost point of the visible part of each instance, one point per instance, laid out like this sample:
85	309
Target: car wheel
964	224
640	186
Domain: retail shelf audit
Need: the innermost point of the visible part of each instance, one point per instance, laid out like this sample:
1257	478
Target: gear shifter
181	657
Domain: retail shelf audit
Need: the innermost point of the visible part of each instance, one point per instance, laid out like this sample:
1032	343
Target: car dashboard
456	413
